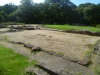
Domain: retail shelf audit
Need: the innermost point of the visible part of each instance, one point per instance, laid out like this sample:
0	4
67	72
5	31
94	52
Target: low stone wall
25	27
87	32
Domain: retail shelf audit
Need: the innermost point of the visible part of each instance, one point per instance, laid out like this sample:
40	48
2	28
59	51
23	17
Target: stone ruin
87	32
25	27
75	65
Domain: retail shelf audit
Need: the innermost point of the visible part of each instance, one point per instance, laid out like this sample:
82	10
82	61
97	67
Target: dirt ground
68	44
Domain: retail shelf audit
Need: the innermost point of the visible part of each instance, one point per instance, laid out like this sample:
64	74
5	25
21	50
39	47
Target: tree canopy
51	12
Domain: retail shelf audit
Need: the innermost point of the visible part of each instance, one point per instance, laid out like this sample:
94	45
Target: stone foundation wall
87	32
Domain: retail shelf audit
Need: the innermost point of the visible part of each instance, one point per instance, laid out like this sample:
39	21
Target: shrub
98	26
2	18
2	26
11	23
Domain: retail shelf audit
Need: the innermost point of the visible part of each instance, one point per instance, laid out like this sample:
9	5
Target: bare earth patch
68	44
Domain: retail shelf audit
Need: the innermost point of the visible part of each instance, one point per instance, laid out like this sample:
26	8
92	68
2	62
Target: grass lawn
67	27
11	63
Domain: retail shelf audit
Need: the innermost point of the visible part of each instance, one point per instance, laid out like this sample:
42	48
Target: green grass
67	27
97	69
87	52
77	74
11	63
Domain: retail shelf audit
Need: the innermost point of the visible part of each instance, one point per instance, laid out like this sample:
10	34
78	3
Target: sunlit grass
11	63
67	27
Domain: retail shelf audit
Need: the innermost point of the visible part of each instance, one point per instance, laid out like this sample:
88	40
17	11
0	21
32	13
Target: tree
1	19
61	2
4	15
9	8
51	12
0	8
80	11
60	11
92	13
25	11
12	17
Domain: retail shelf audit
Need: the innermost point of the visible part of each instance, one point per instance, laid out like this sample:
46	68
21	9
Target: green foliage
68	27
90	46
68	70
4	15
51	12
2	26
77	74
98	26
9	8
11	23
92	17
12	17
26	11
11	63
5	38
1	19
34	62
87	52
85	15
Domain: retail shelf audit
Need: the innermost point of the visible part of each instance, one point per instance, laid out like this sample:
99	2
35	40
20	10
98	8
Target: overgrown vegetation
11	63
98	26
87	52
77	74
68	27
11	23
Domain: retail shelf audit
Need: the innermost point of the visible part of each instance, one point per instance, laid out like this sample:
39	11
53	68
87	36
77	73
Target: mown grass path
67	27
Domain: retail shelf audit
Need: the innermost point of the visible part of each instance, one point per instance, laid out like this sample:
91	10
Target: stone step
41	69
36	71
47	70
51	71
